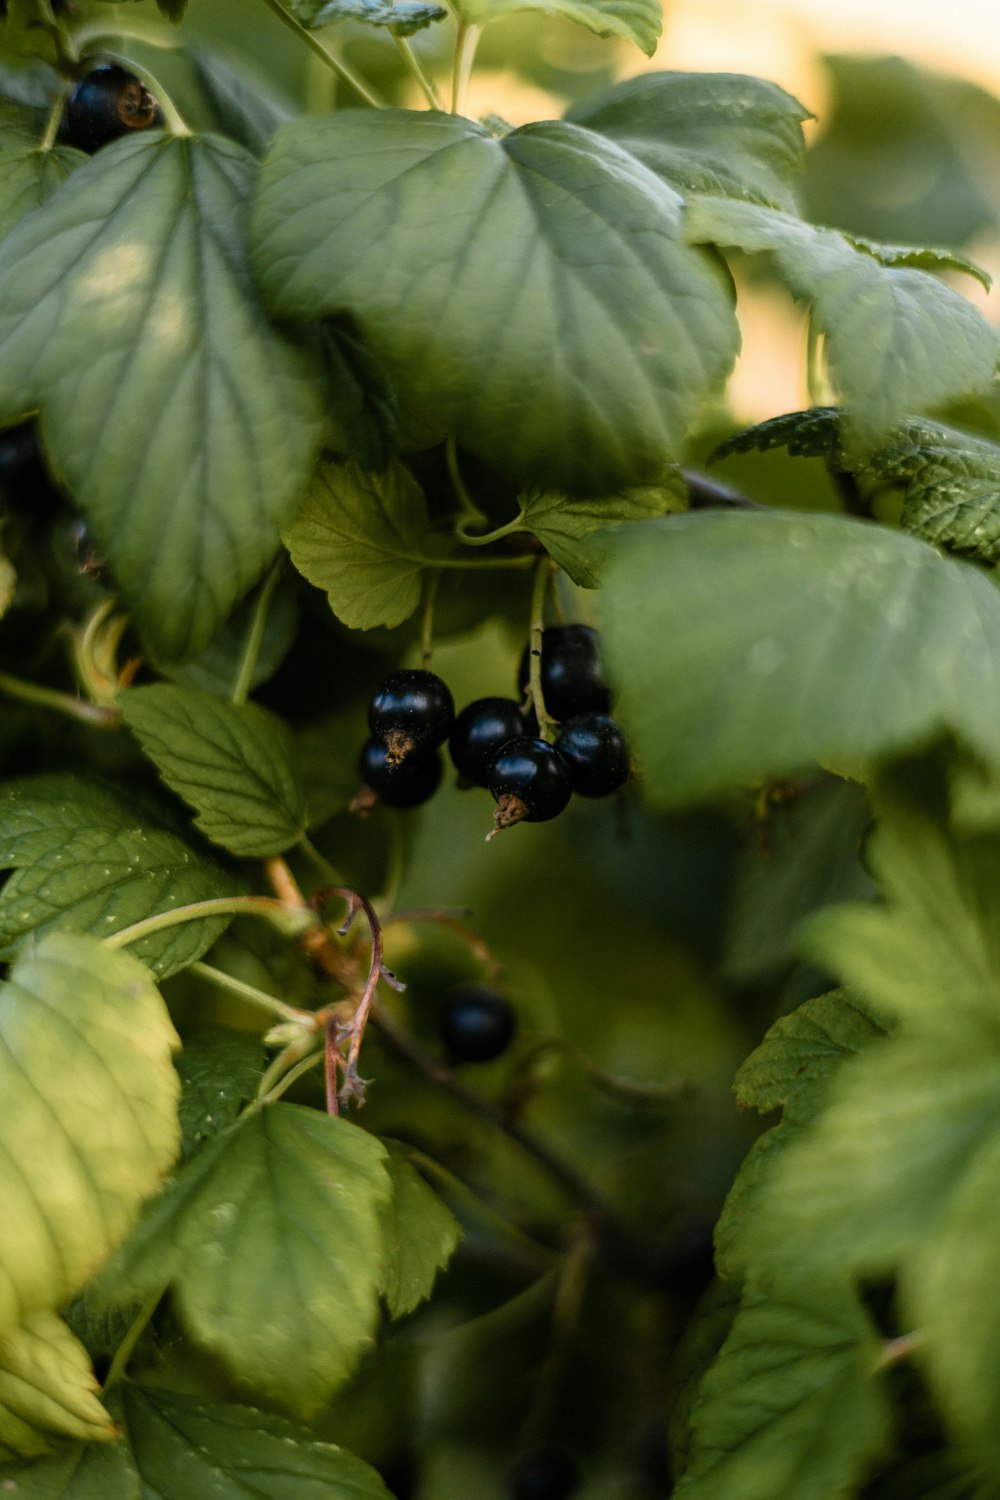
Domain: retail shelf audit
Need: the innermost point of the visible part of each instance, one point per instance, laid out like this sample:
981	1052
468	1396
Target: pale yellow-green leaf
48	1390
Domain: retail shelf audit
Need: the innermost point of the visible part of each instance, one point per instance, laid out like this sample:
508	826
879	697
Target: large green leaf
897	340
184	424
86	859
233	763
272	1239
718	133
749	645
363	538
29	175
420	1237
90	1472
533	294
89	1123
48	1390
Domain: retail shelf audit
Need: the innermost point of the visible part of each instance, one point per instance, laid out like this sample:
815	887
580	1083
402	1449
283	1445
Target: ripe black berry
596	750
543	1474
481	730
477	1024
572	675
24	484
530	782
404	783
412	710
109	102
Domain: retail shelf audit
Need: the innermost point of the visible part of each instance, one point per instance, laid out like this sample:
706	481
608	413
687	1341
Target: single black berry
596	750
412	710
109	102
543	1474
24	484
481	730
477	1023
530	783
572	675
404	783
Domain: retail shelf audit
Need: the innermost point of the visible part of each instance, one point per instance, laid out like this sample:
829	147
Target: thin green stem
427	623
815	381
895	1350
48	140
468	509
289	920
284	1083
466	42
330	59
473	564
136	1329
98	715
546	725
250	993
255	636
483	538
415	68
328	872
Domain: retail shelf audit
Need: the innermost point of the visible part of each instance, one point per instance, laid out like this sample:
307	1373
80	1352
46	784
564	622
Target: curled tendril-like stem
352	1033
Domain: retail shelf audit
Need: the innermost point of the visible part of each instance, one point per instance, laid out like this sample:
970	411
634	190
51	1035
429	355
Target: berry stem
250	993
255	637
279	1077
98	715
815	380
427	624
416	70
466	42
543	573
328	58
470	514
48	140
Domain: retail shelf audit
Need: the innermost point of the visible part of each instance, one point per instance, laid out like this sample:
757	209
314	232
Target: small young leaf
83	860
951	484
191	445
749	645
403	18
89	1091
184	1447
233	763
562	522
575	333
724	134
420	1237
898	341
48	1390
219	1073
363	538
789	1410
272	1238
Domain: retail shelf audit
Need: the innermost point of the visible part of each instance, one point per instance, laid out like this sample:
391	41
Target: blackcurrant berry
596	750
543	1474
530	782
483	728
572	675
109	102
404	783
412	710
24	484
477	1023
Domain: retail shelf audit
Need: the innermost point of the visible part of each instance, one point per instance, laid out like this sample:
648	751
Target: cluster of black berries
108	102
494	742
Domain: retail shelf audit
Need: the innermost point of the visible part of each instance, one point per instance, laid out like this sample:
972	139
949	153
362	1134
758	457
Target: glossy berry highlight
595	749
405	783
106	104
530	783
477	1024
481	730
412	710
573	679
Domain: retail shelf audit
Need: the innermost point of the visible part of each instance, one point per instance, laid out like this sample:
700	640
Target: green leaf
532	294
951	484
814	433
89	1124
93	1472
897	340
364	408
403	18
790	1070
750	645
84	860
233	763
181	420
717	133
363	538
184	1447
48	1390
562	522
244	100
272	1239
790	1409
420	1237
216	669
219	1073
922	259
28	175
637	21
